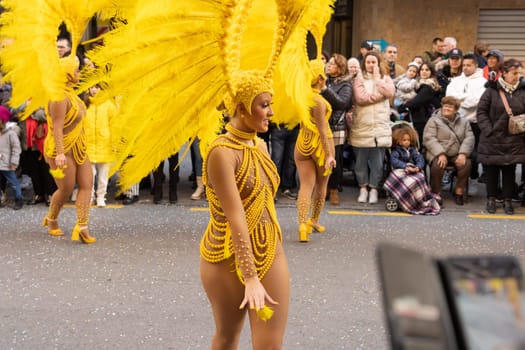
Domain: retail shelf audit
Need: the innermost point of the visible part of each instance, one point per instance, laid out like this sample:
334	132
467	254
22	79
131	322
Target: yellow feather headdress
295	72
29	53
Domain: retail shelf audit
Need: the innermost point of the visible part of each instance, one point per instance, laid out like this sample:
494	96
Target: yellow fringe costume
74	138
309	141
257	180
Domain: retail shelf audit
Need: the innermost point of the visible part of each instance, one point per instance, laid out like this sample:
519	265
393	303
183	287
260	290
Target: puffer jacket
400	157
442	136
371	118
9	149
339	95
98	132
496	146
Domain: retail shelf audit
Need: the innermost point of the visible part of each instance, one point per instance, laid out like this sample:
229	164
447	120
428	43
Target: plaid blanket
411	192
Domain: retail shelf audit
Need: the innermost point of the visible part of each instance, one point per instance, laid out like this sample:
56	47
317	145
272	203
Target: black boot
19	203
509	210
173	196
491	205
157	196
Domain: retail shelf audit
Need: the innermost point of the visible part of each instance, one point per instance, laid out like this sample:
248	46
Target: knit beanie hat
413	64
5	115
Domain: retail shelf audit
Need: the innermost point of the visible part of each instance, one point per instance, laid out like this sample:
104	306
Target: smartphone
487	301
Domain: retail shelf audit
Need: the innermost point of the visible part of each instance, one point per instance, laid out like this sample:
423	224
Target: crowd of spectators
368	93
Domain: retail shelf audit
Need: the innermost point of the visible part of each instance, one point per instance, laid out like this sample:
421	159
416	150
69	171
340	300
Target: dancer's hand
60	160
255	295
329	164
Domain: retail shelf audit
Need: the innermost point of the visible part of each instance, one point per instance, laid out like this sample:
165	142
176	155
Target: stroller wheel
391	204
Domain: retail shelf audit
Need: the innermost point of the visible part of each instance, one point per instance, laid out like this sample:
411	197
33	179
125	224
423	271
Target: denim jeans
10	176
282	144
369	165
195	148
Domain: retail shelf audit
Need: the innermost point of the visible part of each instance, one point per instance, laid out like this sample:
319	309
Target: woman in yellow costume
314	158
66	153
30	58
241	181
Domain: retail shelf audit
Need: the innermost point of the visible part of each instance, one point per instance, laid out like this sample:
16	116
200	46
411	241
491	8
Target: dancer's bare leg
270	334
225	293
65	187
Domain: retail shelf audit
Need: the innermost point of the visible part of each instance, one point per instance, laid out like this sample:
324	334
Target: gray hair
451	40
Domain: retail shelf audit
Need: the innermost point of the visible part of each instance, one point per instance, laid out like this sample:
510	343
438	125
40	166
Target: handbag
516	122
349	116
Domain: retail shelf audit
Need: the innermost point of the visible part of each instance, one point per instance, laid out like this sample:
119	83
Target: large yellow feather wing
172	63
29	55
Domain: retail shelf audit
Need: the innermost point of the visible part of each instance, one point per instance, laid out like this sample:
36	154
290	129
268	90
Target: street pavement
138	287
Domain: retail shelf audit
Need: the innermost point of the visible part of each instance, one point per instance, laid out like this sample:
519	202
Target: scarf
508	87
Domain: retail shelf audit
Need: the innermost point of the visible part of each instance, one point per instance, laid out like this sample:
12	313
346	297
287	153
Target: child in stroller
406	185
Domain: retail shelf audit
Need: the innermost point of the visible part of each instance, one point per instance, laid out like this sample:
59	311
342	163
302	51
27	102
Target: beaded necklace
257	181
243	135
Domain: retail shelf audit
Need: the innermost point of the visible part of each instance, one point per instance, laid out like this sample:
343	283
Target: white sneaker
74	195
363	195
373	196
101	203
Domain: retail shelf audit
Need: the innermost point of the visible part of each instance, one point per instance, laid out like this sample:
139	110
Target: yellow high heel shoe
79	233
316	227
52	231
303	233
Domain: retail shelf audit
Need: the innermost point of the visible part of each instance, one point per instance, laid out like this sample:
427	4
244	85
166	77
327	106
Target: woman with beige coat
371	134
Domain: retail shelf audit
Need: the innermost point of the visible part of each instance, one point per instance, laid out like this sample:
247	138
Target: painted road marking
492	216
343	212
367	213
199	209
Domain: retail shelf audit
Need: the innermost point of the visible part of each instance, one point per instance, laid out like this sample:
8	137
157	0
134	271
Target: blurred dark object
451	303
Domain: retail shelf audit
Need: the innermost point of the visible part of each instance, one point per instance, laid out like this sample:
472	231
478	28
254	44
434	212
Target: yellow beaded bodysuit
74	137
257	180
309	140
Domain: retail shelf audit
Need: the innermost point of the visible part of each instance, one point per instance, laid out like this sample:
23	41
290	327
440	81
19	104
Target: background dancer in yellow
66	153
31	60
314	158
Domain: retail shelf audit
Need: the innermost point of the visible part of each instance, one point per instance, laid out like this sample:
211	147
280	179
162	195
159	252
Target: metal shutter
504	30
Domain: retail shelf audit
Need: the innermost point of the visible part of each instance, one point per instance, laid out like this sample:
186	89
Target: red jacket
34	138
